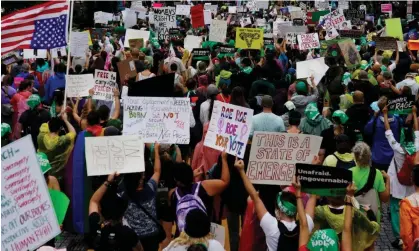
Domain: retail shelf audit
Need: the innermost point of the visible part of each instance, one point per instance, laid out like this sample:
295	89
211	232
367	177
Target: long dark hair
212	100
237	97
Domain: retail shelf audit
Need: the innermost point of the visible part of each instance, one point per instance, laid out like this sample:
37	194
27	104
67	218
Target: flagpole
68	31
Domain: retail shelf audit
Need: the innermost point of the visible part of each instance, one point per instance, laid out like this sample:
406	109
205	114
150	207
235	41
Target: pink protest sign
157	5
17	81
386	8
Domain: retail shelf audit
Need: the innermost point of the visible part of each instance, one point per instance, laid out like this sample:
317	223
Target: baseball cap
301	87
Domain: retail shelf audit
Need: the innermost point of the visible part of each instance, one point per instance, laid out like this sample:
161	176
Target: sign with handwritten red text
28	219
105	82
157	119
333	19
273	156
308	41
229	128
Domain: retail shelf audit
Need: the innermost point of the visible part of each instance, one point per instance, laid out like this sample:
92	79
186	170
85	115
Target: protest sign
356	17
249	38
394	28
135	34
386	8
385	43
105	83
28	219
333	19
101	17
227	51
291	37
296	14
345	25
159	86
218	31
232	9
129	17
157	5
320	4
192	42
183	10
298	22
157	119
34	53
89	37
308	41
268	41
314	67
106	155
323	180
207	17
60	201
331	34
137	6
136	43
229	128
126	66
218	233
350	53
213	8
17	81
197	16
164	18
413	45
79	85
313	17
58	52
363	7
273	156
200	52
10	59
175	34
79	44
343	4
401	105
350	33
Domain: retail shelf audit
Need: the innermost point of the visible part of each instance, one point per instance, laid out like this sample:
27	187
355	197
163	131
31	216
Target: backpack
344	164
186	203
367	195
288	240
404	175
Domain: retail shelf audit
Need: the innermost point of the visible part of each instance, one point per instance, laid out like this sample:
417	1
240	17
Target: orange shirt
409	220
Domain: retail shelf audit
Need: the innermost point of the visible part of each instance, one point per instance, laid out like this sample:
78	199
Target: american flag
42	26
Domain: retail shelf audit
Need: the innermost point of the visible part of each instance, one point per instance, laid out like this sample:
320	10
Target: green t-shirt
360	177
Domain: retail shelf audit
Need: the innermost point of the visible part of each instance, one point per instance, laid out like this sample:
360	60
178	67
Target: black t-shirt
32	120
111	238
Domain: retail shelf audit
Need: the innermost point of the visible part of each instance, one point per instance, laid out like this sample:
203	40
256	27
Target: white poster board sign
207	17
79	85
129	17
106	155
232	9
105	83
28	219
308	41
30	53
333	19
164	19
183	10
212	8
273	156
157	119
218	232
315	67
229	128
133	34
192	42
62	50
218	31
79	44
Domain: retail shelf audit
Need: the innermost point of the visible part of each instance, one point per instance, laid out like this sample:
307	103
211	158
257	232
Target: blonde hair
362	153
186	240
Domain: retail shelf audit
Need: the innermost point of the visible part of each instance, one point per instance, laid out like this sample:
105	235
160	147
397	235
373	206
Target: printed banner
357	17
199	52
229	128
323	180
105	83
156	119
249	38
218	31
106	155
273	156
401	105
308	41
28	219
79	85
164	19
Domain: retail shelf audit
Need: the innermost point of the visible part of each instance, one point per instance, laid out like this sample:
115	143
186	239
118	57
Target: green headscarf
33	101
53	109
5	129
341	115
324	240
286	207
311	111
409	147
43	162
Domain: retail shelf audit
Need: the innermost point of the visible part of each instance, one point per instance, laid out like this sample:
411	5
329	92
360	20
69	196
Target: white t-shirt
180	67
269	224
213	245
392	67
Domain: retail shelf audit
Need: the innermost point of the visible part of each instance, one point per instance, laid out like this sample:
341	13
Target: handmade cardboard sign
401	105
79	85
273	156
323	180
157	119
229	128
164	18
218	31
28	217
249	38
137	43
308	41
122	154
126	66
135	34
105	83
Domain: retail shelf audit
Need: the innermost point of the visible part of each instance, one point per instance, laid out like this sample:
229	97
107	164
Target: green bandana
364	65
33	101
247	70
324	240
53	110
43	162
286	207
341	115
312	112
346	78
409	147
5	129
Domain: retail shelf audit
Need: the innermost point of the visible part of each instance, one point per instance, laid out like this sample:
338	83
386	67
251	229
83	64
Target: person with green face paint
403	151
282	230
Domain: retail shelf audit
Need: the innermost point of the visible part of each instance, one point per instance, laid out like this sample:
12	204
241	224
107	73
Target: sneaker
397	244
